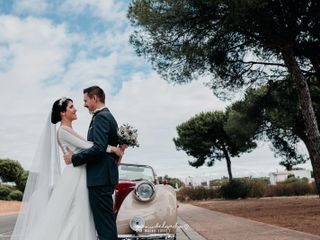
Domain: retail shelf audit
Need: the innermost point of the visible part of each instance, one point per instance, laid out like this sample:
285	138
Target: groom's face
89	103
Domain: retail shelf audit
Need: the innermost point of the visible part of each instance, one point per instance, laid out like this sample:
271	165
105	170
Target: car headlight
145	191
137	223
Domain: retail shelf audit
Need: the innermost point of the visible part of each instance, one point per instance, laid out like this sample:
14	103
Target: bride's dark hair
58	107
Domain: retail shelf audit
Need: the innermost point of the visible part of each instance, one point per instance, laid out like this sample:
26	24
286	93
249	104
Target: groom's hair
95	90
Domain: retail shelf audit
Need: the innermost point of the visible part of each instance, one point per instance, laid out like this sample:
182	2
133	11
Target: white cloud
114	39
110	10
33	43
84	71
36	50
36	7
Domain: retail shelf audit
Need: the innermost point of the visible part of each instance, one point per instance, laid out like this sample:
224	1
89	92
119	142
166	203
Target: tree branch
263	63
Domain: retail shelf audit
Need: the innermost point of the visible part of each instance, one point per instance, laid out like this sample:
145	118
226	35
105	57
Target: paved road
6	226
184	231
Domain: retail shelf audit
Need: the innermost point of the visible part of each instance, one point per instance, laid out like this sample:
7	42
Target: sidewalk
219	226
185	232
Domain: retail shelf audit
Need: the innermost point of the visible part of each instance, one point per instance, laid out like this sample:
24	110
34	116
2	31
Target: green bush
15	195
294	180
22	181
196	193
10	170
218	182
257	187
247	187
184	194
192	193
4	192
213	193
235	189
290	189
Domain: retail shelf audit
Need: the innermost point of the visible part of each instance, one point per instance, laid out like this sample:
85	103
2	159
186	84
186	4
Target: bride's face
71	112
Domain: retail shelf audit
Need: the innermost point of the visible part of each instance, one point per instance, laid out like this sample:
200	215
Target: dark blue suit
102	172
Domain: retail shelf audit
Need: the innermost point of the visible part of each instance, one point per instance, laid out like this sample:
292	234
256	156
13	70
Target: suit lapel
92	119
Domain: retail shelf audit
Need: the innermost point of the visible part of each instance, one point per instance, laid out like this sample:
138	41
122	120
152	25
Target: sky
51	49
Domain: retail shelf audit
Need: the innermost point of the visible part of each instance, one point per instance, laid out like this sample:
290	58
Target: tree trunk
228	161
316	66
288	167
304	99
309	151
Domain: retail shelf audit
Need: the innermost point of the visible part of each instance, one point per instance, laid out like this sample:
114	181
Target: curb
188	231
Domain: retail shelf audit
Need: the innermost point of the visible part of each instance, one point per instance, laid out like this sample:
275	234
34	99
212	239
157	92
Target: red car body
144	209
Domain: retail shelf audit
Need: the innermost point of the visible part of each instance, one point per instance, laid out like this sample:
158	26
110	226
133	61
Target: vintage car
144	209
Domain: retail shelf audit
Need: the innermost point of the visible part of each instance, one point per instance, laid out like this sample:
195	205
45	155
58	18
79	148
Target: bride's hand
68	156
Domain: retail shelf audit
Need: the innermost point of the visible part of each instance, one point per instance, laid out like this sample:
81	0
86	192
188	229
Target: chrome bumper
146	237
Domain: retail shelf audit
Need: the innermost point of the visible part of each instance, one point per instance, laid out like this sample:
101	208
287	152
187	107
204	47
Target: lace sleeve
69	136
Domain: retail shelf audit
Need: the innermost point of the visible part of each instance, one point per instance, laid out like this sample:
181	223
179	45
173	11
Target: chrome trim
137	218
146	237
137	195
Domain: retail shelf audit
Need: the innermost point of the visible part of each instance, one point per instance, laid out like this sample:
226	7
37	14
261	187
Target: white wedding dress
67	214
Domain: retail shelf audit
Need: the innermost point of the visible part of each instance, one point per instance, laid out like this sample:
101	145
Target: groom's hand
68	156
123	147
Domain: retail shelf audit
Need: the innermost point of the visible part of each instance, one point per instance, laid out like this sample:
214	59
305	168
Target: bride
56	206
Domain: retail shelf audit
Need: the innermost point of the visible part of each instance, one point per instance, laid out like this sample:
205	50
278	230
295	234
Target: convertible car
144	209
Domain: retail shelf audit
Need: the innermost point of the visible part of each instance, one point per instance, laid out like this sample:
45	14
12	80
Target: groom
102	169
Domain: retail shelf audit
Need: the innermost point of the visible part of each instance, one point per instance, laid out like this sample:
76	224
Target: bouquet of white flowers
128	135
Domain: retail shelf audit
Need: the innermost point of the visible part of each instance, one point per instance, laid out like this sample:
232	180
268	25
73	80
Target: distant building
189	181
196	181
282	176
204	184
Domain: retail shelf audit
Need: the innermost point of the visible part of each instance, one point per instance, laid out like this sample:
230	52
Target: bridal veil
44	173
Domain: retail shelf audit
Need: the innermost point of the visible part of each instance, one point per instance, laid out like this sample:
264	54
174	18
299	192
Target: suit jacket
101	166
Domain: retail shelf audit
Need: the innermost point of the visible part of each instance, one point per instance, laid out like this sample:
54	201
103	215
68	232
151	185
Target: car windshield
135	173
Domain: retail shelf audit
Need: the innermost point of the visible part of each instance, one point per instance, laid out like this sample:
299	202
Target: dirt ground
298	213
9	207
